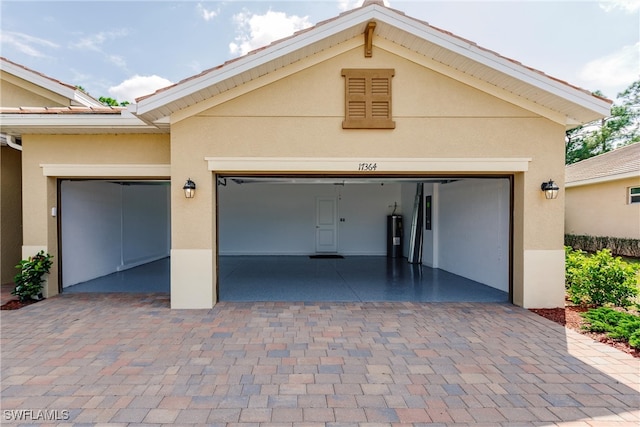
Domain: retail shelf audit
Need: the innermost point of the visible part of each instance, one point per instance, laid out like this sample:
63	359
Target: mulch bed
569	317
15	304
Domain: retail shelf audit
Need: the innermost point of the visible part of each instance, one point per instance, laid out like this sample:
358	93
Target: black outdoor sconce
189	189
550	189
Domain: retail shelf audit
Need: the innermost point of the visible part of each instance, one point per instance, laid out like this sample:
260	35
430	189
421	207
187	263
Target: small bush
31	277
600	279
616	324
574	261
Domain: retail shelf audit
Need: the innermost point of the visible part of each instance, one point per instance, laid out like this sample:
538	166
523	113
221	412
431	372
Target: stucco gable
318	91
446	53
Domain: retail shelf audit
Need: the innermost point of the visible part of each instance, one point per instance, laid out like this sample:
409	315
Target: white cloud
206	14
629	6
26	44
256	31
117	60
349	4
616	70
137	86
95	41
352	4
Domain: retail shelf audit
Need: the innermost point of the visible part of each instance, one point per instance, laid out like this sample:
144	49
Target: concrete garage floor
300	278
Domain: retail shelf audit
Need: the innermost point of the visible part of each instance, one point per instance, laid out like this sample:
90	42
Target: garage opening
115	235
285	238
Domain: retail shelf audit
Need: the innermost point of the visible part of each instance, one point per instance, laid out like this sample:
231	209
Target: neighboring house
306	146
22	87
603	194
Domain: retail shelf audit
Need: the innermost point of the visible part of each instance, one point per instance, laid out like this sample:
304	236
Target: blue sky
126	49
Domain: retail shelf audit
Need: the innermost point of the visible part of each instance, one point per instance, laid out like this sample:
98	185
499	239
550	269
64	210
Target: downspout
11	142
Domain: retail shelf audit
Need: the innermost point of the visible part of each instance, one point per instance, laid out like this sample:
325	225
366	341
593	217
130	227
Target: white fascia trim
253	60
86	100
476	82
256	83
107	170
599	180
366	166
51	85
96	121
390	17
496	62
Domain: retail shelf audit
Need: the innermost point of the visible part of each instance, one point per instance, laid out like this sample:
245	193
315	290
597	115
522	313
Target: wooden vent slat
357	109
357	86
380	109
380	86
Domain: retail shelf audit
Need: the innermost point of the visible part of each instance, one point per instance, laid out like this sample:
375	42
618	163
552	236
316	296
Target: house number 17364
367	166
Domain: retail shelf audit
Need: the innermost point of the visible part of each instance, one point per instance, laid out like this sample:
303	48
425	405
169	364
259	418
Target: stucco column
40	230
192	232
539	235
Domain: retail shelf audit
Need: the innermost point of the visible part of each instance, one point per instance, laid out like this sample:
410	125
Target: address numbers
367	167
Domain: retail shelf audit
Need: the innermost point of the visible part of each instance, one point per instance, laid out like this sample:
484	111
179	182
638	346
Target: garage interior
303	238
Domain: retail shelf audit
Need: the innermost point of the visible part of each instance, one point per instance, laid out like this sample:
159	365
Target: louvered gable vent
368	99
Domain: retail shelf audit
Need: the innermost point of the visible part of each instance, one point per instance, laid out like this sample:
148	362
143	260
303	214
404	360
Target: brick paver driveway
128	359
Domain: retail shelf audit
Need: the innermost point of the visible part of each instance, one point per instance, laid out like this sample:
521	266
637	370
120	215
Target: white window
634	195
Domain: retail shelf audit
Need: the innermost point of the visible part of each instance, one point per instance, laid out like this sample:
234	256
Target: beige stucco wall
16	92
436	117
40	191
10	213
603	209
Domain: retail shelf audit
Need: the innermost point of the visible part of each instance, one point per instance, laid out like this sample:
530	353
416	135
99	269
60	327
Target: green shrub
616	324
634	339
600	279
31	277
574	261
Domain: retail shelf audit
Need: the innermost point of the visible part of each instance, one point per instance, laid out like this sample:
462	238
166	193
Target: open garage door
270	247
114	235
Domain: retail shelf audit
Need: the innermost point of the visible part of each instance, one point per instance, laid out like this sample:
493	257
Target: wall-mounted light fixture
550	189
189	189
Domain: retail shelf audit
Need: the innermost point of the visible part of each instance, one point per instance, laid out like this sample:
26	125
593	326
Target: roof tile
61	110
623	160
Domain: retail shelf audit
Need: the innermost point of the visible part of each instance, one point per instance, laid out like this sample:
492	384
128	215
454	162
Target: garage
115	236
299	238
302	149
327	239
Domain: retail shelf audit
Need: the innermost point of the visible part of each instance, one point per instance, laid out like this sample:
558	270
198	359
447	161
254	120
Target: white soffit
577	105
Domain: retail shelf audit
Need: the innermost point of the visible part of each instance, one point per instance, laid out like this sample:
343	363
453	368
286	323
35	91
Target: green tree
622	127
112	102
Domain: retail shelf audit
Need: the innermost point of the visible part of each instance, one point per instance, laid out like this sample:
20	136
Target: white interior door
326	224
